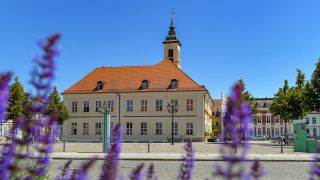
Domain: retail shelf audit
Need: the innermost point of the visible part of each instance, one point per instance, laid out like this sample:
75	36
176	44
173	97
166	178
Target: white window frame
259	118
85	129
97	129
268	119
129	105
144	105
189	105
158	104
98	105
189	128
314	120
86	106
74	129
158	128
175	128
74	106
110	104
129	128
143	128
259	131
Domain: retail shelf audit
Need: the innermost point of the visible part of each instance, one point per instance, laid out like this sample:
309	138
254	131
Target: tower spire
172	44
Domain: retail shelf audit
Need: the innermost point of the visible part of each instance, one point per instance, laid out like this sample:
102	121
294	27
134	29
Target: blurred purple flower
315	165
81	173
135	174
188	162
256	170
150	174
235	127
110	166
4	94
65	171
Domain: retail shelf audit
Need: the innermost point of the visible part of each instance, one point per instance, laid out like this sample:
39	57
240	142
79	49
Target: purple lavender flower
81	173
256	170
188	162
4	94
110	166
315	165
236	126
150	174
65	172
135	174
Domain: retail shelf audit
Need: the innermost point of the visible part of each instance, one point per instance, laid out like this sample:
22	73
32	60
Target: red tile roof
129	78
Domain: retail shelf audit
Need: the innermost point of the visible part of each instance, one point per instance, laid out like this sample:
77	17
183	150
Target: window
277	119
144	104
98	128
314	120
268	119
175	128
145	84
100	85
307	120
74	128
129	128
159	105
259	119
86	106
74	106
277	131
110	105
268	131
129	105
85	128
143	128
170	53
258	104
98	105
189	105
174	84
259	131
158	128
189	128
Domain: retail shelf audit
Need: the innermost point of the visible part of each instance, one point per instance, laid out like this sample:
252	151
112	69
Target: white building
138	98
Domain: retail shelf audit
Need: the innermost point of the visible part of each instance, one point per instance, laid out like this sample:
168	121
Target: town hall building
137	97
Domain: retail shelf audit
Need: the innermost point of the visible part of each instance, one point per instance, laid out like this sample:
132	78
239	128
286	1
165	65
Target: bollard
64	144
235	148
281	145
148	145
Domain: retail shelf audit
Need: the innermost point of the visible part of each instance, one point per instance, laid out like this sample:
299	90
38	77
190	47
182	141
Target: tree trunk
285	130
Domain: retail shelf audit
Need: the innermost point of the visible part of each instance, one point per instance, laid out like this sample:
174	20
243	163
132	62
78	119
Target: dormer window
174	84
145	84
100	85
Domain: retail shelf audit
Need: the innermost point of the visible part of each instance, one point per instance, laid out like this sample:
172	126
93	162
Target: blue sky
262	42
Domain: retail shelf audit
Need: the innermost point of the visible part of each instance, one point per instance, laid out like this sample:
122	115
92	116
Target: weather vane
172	16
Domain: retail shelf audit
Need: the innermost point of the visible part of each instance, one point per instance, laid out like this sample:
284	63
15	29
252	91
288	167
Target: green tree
17	100
247	96
56	105
315	83
290	102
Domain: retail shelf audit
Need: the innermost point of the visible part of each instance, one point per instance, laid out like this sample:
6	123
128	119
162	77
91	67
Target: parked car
260	137
290	136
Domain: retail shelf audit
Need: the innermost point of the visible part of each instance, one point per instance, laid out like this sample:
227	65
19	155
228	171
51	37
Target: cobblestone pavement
257	147
203	169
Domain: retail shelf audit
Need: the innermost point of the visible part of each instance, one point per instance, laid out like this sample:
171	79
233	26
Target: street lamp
172	108
105	110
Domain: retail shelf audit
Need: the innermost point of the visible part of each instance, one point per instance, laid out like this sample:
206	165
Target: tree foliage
315	87
55	104
247	96
17	100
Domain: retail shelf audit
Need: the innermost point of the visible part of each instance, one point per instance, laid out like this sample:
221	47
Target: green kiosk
301	141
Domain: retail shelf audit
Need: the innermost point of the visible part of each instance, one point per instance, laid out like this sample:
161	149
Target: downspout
204	116
119	100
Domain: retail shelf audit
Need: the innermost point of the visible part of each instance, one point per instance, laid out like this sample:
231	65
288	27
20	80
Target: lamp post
105	110
172	108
